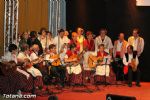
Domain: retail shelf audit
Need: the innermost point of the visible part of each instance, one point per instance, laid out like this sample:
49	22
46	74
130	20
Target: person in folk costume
120	48
130	60
80	38
34	40
89	47
28	66
49	39
104	39
89	44
59	40
11	81
23	56
23	39
35	58
67	40
103	69
56	68
137	42
73	66
75	41
23	53
42	37
11	57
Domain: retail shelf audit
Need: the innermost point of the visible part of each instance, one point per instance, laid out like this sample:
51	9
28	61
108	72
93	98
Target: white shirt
119	46
10	57
107	43
47	57
43	42
59	42
49	42
138	44
34	71
66	39
130	57
33	56
22	56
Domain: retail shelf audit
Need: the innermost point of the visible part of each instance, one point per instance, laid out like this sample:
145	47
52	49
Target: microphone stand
105	71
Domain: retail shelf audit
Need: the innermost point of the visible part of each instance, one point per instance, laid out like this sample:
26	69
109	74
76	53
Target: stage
100	92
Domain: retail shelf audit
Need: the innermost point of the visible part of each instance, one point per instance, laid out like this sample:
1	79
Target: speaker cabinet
118	97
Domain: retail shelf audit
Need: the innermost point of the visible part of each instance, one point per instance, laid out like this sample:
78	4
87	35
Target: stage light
143	2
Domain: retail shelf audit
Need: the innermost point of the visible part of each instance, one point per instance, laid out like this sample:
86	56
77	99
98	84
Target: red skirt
74	78
111	79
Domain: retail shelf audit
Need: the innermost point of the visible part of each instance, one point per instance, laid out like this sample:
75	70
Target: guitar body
91	61
56	62
133	65
94	60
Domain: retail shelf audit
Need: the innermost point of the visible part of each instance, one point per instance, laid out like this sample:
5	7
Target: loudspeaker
118	97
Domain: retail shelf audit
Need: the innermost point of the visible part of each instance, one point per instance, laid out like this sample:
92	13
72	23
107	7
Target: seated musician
73	66
34	57
56	69
103	72
34	72
12	56
12	80
102	60
24	53
130	60
89	46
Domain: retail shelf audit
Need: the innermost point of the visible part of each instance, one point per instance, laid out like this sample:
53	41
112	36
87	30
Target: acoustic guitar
133	65
93	61
56	62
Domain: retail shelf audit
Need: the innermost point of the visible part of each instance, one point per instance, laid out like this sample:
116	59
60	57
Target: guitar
133	65
38	60
94	60
56	57
56	61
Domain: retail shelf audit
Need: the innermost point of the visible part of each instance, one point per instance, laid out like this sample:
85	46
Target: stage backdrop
33	14
117	16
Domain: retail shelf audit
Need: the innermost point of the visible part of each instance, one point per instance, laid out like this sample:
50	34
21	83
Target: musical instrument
56	57
38	60
56	61
94	60
133	64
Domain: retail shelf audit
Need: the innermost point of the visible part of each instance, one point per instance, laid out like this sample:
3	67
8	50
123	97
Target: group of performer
68	60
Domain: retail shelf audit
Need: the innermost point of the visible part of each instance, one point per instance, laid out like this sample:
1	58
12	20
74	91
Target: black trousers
130	75
59	72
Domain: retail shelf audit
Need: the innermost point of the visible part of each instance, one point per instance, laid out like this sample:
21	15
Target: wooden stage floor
100	92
